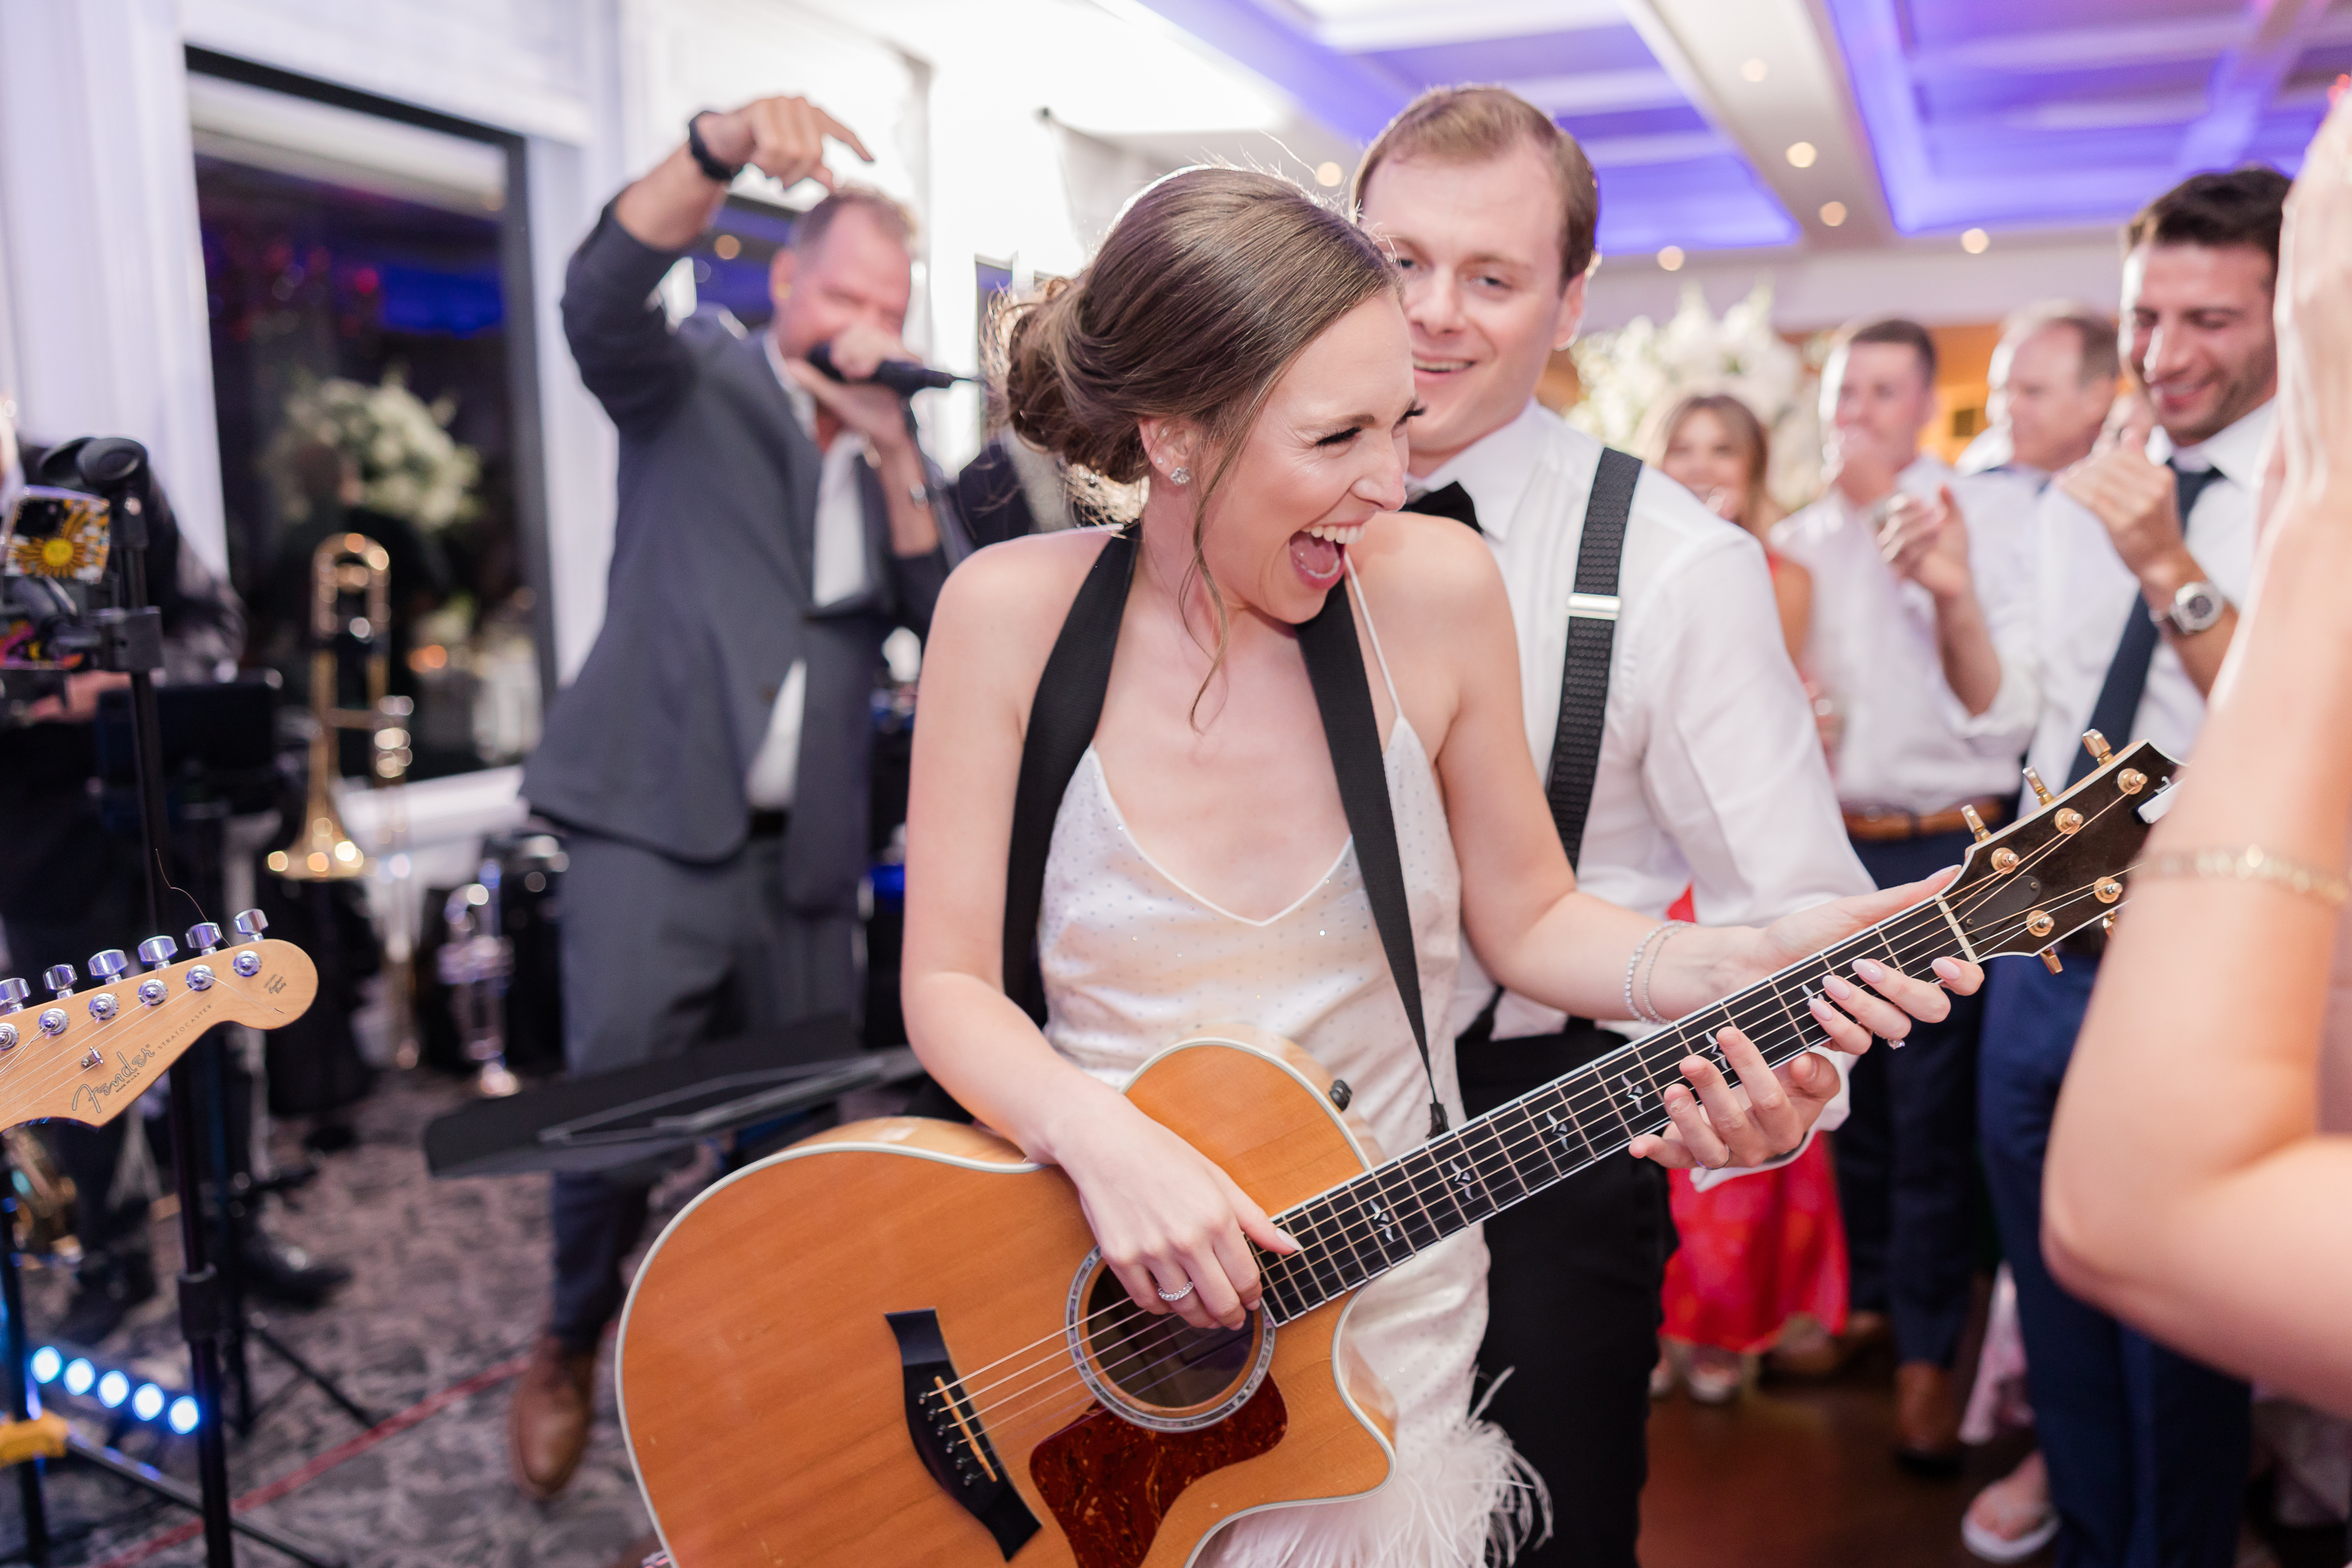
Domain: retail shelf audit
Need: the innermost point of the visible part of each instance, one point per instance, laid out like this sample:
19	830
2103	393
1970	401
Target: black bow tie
1453	502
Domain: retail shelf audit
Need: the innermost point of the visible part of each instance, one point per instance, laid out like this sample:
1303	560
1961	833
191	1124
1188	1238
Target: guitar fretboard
1358	1231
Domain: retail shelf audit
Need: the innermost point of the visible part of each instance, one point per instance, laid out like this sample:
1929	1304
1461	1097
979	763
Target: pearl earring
1179	476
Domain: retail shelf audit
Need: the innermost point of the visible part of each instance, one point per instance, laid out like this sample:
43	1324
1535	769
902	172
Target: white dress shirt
839	573
1709	776
1907	743
2087	593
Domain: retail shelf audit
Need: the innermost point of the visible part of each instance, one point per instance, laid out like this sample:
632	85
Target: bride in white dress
1242	350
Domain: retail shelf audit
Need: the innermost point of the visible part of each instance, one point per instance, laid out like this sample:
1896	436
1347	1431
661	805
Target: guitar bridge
953	1445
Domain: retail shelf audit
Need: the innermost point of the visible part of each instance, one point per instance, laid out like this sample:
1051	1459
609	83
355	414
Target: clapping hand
1928	542
2133	496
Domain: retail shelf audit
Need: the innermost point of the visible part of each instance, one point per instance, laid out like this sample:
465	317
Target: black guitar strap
1063	718
1062	722
1584	674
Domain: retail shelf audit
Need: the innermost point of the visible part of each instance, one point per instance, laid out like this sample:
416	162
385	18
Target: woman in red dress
1760	1251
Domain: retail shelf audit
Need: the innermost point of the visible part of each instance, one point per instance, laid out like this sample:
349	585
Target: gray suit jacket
708	602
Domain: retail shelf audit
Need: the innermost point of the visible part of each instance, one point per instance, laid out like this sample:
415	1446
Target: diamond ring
1177	1295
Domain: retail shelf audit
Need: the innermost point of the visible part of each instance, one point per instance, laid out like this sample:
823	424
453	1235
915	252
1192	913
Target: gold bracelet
2251	864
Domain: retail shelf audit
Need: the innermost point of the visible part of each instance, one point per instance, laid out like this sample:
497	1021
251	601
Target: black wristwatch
711	167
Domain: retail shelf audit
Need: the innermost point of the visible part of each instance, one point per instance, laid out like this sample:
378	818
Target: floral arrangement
408	465
1633	376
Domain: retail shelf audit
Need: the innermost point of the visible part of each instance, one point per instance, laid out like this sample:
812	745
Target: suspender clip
1592	606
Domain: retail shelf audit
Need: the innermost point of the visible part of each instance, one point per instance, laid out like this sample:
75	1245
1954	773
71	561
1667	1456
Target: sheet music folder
604	1120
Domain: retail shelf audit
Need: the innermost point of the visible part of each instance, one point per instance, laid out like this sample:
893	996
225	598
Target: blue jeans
1907	1154
2146	1449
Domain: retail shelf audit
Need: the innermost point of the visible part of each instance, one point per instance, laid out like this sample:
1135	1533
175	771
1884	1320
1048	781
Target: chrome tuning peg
250	924
13	992
157	950
2097	744
204	936
60	978
2040	791
1976	824
106	967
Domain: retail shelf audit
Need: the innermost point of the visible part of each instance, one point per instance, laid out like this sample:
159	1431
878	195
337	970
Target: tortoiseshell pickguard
1109	1484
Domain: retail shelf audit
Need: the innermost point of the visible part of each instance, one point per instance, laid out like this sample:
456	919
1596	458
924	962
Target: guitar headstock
86	1054
2062	868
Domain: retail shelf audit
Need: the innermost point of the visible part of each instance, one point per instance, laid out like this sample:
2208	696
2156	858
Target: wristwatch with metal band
2194	608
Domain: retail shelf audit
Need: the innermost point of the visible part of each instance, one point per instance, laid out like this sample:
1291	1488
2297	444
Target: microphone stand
199	1282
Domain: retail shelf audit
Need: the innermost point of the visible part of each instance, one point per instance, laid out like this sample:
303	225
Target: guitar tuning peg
13	992
2107	924
1976	824
250	924
2040	791
204	936
60	978
2097	744
157	950
2049	961
107	965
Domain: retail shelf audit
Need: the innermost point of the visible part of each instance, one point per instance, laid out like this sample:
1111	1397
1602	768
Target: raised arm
627	355
2190	1189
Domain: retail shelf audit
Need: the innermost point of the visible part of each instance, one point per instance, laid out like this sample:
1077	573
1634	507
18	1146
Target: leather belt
1880	826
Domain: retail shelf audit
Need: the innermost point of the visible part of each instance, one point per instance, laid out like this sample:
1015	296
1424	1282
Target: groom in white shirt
1709	776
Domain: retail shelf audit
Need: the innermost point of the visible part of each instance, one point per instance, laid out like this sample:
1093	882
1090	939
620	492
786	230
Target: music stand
631	1115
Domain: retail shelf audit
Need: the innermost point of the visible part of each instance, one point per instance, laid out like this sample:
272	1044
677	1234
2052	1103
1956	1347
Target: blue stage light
113	1389
147	1403
80	1376
47	1364
185	1414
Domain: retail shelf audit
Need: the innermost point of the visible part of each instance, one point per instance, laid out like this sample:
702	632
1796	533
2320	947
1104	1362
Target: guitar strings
1766	1036
1000	1416
1352	1233
1974	899
126	990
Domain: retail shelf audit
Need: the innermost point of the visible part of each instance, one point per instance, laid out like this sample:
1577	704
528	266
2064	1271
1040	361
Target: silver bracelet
1665	934
1633	964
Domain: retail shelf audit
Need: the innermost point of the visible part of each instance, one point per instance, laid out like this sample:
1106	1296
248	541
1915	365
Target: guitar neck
1358	1231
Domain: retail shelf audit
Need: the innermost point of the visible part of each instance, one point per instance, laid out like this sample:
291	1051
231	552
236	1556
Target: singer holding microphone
709	763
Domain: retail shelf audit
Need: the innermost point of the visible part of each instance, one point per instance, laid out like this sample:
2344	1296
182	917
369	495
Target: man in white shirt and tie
1707	776
2145	550
1922	642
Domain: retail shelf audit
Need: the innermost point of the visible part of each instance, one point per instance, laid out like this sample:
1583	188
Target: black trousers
1572	1316
1906	1158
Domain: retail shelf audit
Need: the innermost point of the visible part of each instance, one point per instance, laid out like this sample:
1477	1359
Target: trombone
344	568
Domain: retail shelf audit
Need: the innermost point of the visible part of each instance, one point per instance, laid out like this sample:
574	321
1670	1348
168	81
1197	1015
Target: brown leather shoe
1819	1354
547	1427
1927	1419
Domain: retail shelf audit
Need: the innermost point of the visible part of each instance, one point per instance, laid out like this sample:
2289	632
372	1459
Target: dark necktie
1453	502
2126	680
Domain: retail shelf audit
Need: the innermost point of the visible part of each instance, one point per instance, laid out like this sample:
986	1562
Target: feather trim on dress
1442	1507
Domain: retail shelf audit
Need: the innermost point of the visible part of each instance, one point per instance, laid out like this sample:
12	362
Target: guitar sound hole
1161	1364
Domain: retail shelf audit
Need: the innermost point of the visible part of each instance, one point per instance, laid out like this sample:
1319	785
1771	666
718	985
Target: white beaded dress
1131	959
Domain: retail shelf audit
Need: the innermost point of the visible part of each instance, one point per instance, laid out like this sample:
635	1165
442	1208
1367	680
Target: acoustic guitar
896	1344
89	1052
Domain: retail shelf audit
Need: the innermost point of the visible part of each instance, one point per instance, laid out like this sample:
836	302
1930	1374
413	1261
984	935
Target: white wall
105	296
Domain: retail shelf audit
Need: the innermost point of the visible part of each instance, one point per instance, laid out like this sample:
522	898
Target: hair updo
1211	282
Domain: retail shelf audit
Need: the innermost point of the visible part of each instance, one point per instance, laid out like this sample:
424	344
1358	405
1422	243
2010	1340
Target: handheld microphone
904	376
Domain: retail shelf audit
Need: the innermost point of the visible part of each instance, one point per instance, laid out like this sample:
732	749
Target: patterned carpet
450	1282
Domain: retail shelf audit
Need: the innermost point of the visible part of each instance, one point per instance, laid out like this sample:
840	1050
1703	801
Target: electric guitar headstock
2061	869
86	1054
